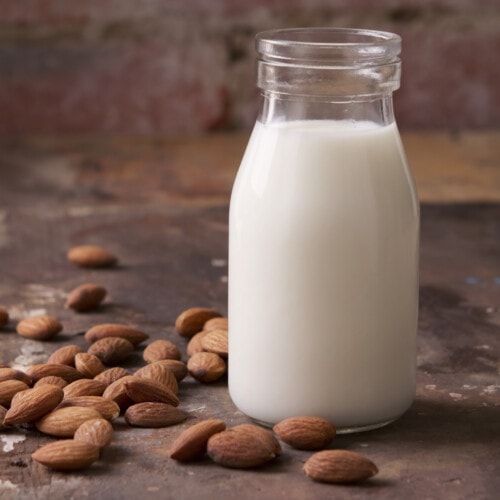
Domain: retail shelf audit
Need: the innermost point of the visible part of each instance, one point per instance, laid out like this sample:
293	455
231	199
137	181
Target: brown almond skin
192	320
111	350
86	297
305	433
243	447
159	373
4	317
9	388
118	392
33	404
106	407
111	375
194	344
192	443
67	454
142	390
52	380
3	412
206	367
178	368
161	349
215	341
63	422
152	415
7	373
92	256
216	324
68	373
65	355
133	335
96	431
84	387
42	327
339	466
88	364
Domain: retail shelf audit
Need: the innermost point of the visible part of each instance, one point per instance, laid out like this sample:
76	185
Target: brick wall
187	67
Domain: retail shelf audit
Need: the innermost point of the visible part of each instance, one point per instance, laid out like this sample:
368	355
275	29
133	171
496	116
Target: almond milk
323	274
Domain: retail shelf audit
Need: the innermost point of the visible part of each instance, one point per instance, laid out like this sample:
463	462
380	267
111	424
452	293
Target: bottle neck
277	107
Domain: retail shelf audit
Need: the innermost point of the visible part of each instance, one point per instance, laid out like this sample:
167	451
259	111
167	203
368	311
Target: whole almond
106	407
65	355
4	317
39	327
63	422
96	431
141	390
67	454
192	320
159	373
111	375
3	412
52	380
111	350
243	447
88	364
339	466
194	344
151	414
133	335
117	392
206	367
68	373
305	433
7	373
33	404
86	297
92	256
84	387
161	349
178	368
8	388
192	443
215	341
216	324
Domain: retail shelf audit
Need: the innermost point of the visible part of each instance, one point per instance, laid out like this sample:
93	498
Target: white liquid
323	274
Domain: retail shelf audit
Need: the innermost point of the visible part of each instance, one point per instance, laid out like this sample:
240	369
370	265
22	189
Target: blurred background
186	67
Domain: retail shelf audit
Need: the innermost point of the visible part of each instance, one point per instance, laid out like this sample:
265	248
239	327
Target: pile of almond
77	395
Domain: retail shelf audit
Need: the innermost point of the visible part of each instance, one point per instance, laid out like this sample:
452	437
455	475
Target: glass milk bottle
323	236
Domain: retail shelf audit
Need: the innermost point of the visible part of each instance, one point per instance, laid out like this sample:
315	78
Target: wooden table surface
162	207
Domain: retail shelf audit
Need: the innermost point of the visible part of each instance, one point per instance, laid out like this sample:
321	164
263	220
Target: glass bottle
323	236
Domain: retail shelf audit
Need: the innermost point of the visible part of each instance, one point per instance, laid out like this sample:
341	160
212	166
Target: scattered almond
33	404
8	388
206	367
159	373
98	332
192	320
117	392
194	344
111	350
339	466
65	355
91	256
216	324
86	297
150	414
3	412
96	431
161	349
4	317
178	368
305	433
141	390
7	373
67	454
192	443
215	341
39	327
63	422
84	387
106	407
68	373
111	375
88	364
52	380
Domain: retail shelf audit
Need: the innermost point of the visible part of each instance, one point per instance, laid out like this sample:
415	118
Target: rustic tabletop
161	206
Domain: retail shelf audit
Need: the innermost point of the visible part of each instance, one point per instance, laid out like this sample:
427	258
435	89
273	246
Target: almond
151	414
67	454
215	341
3	412
98	332
88	364
178	368
111	350
84	387
86	297
63	422
161	349
216	324
243	446
8	388
4	317
65	355
52	380
111	375
39	327
68	373
339	466
7	373
206	367
192	443
305	433
159	373
33	404
118	392
91	256
106	407
194	344
192	320
141	390
96	431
